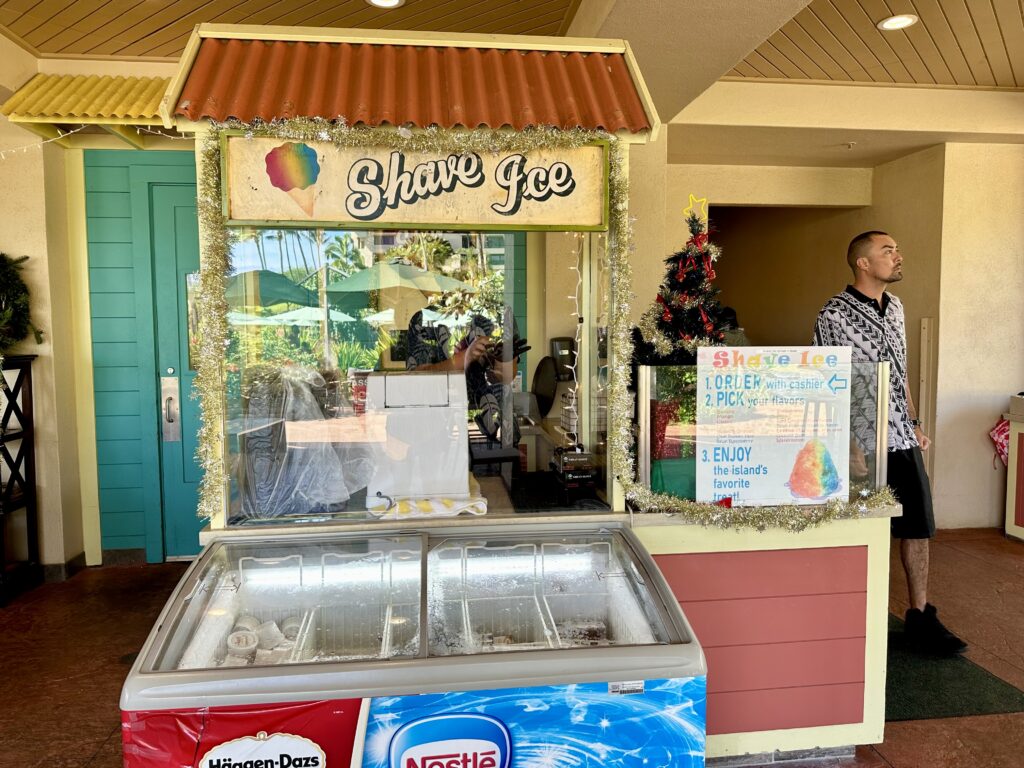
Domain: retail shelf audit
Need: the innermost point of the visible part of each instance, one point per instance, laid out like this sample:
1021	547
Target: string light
24	150
141	130
577	337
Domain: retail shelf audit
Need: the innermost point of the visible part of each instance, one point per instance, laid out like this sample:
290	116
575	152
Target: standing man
870	320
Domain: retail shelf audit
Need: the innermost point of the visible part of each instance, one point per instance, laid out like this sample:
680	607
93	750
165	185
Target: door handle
171	417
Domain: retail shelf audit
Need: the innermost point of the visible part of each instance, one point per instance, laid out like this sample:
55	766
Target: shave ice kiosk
435	537
395	574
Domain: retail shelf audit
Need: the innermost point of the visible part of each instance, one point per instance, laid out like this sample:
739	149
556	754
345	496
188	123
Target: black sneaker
926	634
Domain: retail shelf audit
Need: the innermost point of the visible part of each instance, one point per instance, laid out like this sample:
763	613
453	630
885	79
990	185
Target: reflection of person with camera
489	363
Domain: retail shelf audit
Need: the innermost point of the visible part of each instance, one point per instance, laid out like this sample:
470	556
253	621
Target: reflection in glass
376	371
671	444
191	300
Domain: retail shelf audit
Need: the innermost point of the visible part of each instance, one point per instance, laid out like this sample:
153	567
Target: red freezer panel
176	738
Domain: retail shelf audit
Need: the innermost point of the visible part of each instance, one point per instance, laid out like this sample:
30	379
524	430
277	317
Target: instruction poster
773	424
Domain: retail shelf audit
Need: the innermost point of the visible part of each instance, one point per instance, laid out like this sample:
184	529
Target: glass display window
409	374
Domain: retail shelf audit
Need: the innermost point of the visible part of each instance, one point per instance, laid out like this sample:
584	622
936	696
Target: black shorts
909	483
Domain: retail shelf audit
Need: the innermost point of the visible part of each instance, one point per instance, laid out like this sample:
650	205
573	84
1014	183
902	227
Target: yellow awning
87	99
55	105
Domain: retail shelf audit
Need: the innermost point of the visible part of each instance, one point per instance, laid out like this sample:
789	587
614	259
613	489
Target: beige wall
981	355
35	209
649	207
780	264
17	68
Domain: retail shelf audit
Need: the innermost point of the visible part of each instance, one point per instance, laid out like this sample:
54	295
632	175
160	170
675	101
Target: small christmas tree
685	314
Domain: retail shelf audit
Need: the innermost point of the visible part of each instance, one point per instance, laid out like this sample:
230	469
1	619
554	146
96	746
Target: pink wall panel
1019	501
720	575
783	632
755	621
785	665
746	711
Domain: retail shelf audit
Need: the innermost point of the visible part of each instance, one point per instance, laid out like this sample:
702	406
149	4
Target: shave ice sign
773	425
279	180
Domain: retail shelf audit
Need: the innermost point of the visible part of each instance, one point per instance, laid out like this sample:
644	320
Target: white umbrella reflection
303	316
386	318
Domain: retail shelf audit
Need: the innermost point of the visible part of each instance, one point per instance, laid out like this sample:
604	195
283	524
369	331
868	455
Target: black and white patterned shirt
876	333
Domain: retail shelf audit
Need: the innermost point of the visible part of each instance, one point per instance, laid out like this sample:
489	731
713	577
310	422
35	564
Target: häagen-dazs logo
276	750
451	741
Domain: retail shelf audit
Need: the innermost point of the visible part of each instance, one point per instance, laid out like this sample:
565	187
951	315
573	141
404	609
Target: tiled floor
66	648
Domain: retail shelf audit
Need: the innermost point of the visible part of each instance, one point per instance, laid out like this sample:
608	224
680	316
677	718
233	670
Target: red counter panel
1019	501
783	631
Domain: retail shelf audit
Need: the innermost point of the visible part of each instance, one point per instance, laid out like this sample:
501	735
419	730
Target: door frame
141	181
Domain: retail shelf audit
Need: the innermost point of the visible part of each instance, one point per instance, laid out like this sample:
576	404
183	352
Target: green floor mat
925	687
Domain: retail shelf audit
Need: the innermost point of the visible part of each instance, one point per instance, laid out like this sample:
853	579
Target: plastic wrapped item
277	477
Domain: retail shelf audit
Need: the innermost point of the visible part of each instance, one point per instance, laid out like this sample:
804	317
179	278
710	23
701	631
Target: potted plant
15	321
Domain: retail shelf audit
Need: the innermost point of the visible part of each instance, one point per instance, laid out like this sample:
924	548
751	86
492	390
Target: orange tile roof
422	85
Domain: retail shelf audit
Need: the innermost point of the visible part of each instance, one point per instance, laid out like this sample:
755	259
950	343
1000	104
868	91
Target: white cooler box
427	447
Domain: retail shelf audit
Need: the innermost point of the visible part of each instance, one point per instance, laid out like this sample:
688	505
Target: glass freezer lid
537	594
280	602
348	598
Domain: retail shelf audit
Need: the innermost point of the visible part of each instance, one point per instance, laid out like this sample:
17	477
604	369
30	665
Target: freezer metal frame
148	688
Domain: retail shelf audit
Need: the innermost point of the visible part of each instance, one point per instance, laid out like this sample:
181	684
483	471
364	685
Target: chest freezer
470	647
426	451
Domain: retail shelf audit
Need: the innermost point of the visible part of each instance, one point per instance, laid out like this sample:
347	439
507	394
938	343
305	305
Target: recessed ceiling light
386	3
902	21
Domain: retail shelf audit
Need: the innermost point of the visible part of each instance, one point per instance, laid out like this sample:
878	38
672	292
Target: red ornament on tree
698	241
666	315
709	269
709	327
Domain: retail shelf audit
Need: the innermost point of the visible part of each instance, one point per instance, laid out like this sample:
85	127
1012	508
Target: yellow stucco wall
981	357
35	208
779	264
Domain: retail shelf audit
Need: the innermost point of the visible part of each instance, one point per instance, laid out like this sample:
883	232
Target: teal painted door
175	282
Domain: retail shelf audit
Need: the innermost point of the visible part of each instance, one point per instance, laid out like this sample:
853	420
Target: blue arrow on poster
837	383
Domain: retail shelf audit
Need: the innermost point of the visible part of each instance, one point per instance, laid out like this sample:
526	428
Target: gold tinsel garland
212	306
216	253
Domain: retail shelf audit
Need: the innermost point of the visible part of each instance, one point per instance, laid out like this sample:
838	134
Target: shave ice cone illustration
293	168
814	474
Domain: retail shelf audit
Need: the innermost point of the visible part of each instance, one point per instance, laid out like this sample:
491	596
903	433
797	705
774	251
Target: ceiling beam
127	134
47	131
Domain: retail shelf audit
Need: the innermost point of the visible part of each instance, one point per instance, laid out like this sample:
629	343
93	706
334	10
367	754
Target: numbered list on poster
773	424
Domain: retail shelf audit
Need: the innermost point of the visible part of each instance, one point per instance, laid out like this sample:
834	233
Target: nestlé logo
451	741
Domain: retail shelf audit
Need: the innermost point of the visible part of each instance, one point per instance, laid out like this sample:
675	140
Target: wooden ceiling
956	42
970	43
160	28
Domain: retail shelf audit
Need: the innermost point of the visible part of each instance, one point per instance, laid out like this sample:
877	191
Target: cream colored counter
1015	477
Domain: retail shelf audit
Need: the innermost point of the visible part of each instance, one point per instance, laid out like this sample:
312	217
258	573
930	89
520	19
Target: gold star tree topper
702	210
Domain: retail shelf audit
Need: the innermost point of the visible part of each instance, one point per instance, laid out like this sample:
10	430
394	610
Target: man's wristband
915	422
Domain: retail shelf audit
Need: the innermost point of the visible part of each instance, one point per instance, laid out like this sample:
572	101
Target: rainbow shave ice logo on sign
293	168
451	741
